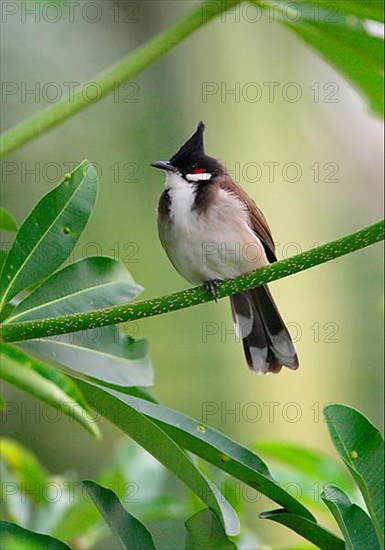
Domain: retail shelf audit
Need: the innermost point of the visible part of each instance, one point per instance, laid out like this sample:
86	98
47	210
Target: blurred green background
335	311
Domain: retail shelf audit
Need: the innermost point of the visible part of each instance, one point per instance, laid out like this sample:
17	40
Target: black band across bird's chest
203	196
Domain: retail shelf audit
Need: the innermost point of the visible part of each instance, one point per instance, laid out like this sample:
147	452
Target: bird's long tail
266	341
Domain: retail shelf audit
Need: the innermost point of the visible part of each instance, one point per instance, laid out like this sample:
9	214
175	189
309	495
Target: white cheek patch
198	177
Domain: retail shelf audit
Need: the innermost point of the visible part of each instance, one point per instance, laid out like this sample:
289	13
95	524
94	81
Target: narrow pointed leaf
7	221
128	470
25	468
155	440
50	232
361	447
357	55
355	524
131	532
91	283
14	537
310	462
215	448
309	530
372	9
204	532
45	383
105	354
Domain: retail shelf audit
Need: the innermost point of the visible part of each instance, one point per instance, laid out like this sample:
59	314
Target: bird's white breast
217	243
182	197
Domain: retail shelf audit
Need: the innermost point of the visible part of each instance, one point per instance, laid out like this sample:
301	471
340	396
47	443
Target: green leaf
302	486
355	524
80	519
25	468
14	537
128	469
216	449
128	417
45	383
223	452
310	530
104	354
132	390
7	221
133	534
365	9
357	55
313	463
91	283
50	232
361	447
204	532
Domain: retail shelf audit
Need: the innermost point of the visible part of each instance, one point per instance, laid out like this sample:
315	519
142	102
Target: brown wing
258	220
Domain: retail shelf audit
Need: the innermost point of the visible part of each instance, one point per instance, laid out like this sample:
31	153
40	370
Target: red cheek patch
198	171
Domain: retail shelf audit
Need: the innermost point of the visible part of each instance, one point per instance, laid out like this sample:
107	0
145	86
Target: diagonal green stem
13	332
118	74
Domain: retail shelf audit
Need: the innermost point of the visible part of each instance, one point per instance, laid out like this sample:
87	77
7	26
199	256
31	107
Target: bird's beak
163	165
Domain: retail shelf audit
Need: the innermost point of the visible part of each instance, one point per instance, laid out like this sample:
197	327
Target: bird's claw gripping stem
211	287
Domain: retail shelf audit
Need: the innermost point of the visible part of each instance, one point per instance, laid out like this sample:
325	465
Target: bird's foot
211	287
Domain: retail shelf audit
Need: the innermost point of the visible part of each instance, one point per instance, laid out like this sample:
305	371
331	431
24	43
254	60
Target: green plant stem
107	81
13	332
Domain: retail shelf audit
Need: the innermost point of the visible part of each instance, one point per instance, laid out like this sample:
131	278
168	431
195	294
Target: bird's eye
198	171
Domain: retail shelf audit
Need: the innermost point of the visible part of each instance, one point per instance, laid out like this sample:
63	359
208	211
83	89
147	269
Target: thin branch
118	74
13	332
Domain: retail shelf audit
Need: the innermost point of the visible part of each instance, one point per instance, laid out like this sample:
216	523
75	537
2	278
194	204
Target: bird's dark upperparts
206	222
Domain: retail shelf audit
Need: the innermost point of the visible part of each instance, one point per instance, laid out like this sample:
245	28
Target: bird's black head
191	162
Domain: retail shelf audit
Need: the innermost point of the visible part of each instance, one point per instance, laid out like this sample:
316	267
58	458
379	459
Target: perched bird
212	230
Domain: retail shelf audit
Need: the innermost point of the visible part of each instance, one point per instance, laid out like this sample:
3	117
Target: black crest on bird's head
193	149
192	155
